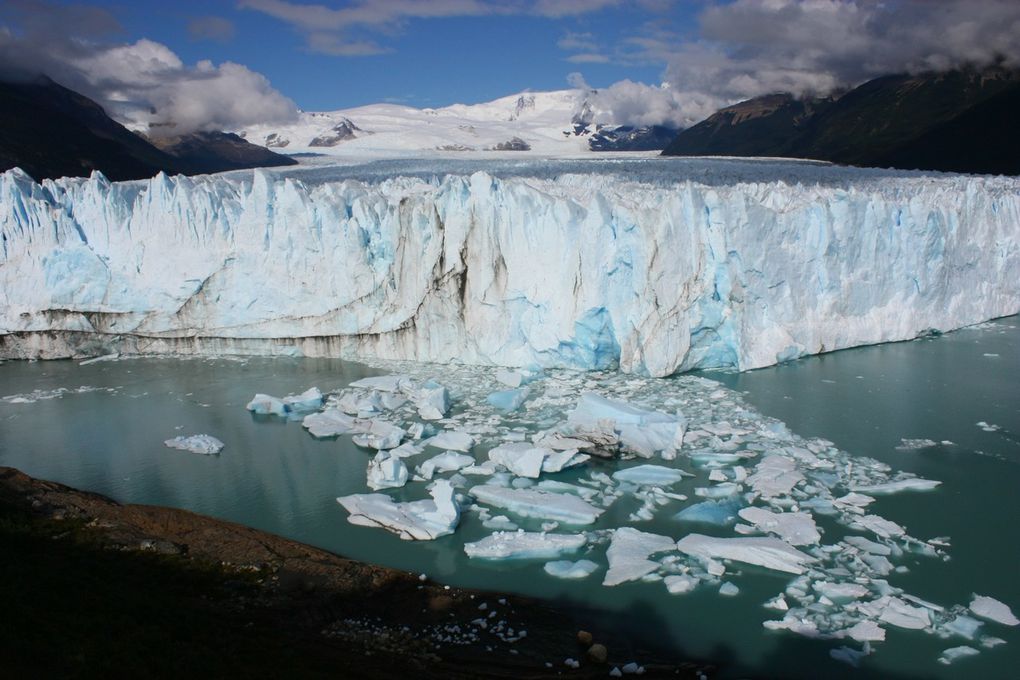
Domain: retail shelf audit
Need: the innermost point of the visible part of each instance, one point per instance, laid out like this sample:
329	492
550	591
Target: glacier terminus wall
585	270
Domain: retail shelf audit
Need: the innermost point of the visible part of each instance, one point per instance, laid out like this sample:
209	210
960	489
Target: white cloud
138	83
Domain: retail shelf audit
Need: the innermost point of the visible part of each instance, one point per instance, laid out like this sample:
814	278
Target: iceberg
309	400
558	507
386	472
720	512
796	528
770	553
379	435
448	461
196	443
264	405
650	475
329	423
628	554
508	400
638	430
654	275
422	520
520	544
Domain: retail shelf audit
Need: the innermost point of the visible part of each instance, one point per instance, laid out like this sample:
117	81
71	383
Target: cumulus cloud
142	83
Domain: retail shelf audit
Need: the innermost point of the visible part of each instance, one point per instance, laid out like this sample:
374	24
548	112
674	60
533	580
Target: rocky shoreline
363	620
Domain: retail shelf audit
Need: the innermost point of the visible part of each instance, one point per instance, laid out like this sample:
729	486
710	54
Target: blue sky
225	64
423	62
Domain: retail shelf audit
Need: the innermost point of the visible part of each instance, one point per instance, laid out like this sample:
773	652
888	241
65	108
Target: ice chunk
720	512
796	528
561	460
898	613
508	400
523	460
309	400
915	444
196	443
452	439
775	476
568	569
840	592
728	589
510	378
866	631
652	475
678	584
639	430
882	527
521	544
993	610
379	435
868	546
770	553
628	554
964	626
383	383
386	472
908	484
448	461
329	423
559	507
849	655
723	490
953	654
264	404
418	520
432	400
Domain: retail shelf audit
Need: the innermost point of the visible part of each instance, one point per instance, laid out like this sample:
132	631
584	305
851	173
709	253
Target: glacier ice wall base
584	271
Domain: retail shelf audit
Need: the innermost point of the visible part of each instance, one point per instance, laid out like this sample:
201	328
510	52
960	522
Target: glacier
653	272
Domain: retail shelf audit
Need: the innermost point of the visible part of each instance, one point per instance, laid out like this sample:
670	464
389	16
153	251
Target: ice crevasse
584	271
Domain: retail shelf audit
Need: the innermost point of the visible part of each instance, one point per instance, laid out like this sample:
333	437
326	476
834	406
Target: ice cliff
584	270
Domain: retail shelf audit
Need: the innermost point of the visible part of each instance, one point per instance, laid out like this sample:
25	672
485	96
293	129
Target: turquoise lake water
272	475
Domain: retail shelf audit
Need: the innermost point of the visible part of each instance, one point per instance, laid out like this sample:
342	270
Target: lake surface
106	434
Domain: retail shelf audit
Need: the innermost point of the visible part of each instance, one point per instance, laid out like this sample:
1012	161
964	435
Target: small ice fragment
432	400
523	545
448	461
728	589
723	490
571	570
196	443
452	439
628	554
616	672
379	435
633	668
868	546
677	584
993	610
382	383
654	475
840	592
915	444
880	526
778	603
849	655
899	613
264	404
953	654
964	626
522	459
96	360
895	486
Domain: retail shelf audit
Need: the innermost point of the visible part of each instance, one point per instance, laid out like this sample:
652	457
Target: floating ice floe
650	475
264	405
560	507
897	485
448	461
770	553
993	610
677	584
720	512
328	423
417	520
524	545
196	443
728	589
309	400
796	528
380	435
508	400
570	570
915	444
628	554
953	654
453	440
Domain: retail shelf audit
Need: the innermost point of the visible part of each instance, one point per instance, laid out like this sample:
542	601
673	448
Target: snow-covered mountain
655	265
559	123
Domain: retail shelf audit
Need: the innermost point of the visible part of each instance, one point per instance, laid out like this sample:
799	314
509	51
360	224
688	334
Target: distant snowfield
544	121
650	265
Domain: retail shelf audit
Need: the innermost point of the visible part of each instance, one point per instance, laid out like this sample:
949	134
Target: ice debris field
538	457
650	267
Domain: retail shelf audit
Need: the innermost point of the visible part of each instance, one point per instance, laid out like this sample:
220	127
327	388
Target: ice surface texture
581	271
